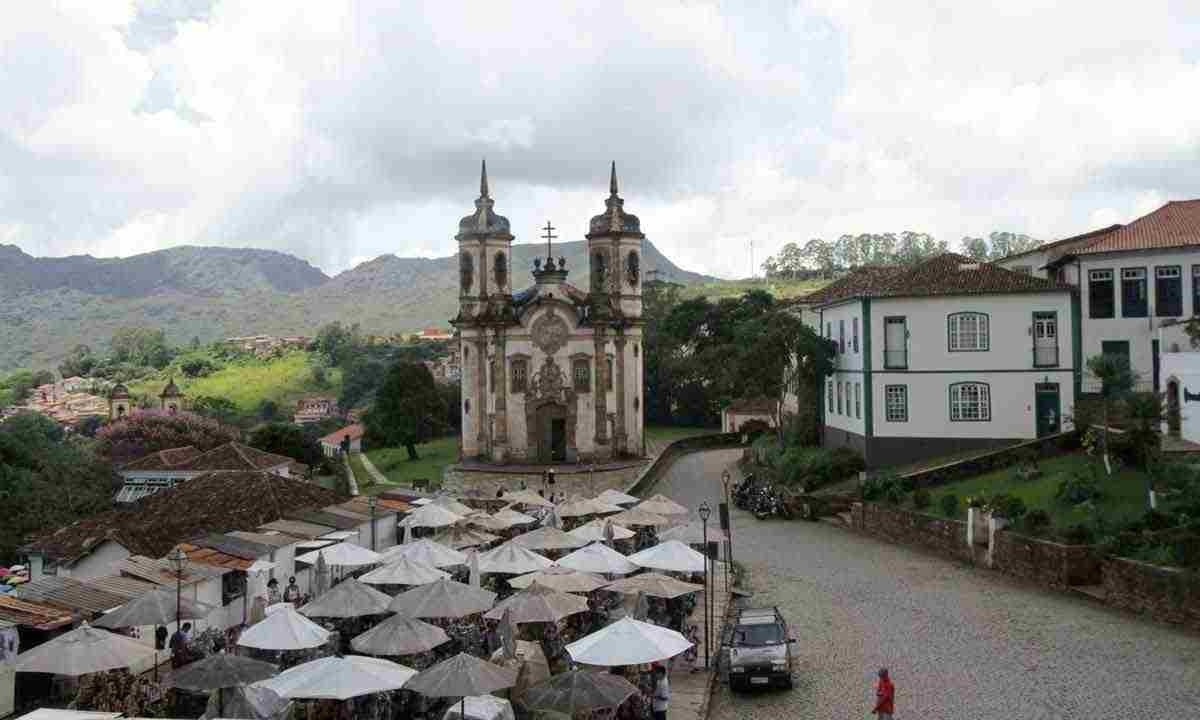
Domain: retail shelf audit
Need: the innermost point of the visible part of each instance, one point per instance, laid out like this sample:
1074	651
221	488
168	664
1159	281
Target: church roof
171	390
614	220
119	392
484	221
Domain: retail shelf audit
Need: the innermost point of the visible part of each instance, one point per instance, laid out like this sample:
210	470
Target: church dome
484	221
171	390
614	220
119	392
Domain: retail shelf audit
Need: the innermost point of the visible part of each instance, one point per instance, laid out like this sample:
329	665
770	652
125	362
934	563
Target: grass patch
361	476
435	456
1123	495
659	435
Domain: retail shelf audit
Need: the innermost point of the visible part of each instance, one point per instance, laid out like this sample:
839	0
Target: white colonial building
945	356
550	373
1138	283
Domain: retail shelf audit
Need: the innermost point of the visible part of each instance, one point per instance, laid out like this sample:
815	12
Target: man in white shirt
662	693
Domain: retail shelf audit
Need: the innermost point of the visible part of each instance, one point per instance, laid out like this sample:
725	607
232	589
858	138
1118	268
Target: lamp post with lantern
729	530
704	511
372	503
178	559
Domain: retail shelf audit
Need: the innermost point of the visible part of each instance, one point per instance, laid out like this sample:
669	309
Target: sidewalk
378	477
690	691
351	481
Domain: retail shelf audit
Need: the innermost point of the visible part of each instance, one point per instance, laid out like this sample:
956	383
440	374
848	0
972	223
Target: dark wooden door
1048	409
558	439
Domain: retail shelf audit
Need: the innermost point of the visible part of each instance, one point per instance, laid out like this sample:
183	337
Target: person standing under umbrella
662	693
292	593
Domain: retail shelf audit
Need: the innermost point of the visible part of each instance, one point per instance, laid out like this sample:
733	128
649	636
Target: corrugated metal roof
235	546
69	594
298	528
126	587
384	508
273	539
215	558
33	615
333	520
159	571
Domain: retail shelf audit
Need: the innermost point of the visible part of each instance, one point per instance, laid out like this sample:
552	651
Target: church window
608	374
467	406
636	404
520	373
632	268
599	270
581	374
466	271
500	271
635	345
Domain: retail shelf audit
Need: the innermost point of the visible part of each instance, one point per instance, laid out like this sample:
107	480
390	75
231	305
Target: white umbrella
431	515
512	518
538	604
404	571
464	537
486	522
526	497
400	635
576	507
284	630
443	599
420	502
343	554
349	598
560	578
594	531
628	642
653	584
338	678
426	552
480	707
84	650
512	559
548	538
462	676
693	533
454	506
598	558
662	505
157	607
616	497
672	556
637	516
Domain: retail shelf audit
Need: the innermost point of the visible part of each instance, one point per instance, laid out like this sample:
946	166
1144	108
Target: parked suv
760	650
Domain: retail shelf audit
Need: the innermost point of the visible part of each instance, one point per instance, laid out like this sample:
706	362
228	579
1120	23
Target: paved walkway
961	642
376	476
351	481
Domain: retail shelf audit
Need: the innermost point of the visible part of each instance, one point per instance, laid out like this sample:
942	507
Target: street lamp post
372	502
178	559
728	530
704	511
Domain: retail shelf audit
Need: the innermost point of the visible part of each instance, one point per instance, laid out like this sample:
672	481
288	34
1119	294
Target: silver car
760	650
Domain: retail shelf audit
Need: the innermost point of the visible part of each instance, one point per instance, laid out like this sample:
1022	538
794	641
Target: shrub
922	499
949	505
1079	534
1008	506
1157	520
846	462
1078	487
197	367
1036	522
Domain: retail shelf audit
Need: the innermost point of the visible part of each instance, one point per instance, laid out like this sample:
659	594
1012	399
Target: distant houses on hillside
266	345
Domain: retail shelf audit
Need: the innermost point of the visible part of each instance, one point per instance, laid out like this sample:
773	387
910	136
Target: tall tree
78	362
289	440
1116	380
142	433
974	248
140	346
407	409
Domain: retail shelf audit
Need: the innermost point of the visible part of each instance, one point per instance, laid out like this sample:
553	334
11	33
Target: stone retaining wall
1043	447
946	537
680	447
1166	594
1046	562
486	483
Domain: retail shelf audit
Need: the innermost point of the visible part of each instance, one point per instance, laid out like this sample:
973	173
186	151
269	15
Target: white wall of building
1183	367
102	560
837	323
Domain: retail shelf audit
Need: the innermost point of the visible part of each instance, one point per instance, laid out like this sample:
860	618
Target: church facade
550	373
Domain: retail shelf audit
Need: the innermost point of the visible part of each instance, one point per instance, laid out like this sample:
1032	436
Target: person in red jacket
885	696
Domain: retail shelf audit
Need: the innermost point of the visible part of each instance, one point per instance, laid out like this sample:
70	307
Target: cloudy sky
339	130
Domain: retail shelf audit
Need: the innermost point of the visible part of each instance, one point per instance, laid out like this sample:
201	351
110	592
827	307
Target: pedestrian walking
885	696
662	693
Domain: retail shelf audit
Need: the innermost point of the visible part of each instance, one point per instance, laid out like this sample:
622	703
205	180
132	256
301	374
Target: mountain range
49	305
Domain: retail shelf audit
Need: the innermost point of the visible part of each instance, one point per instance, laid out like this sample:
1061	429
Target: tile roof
355	431
214	502
215	558
945	274
33	615
164	459
235	546
385	505
235	456
69	594
274	539
1176	224
1065	245
159	571
126	587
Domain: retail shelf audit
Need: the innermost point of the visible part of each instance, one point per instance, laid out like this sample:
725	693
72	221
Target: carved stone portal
549	383
551	416
550	333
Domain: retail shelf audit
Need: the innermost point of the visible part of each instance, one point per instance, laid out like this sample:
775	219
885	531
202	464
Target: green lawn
663	434
394	463
1123	494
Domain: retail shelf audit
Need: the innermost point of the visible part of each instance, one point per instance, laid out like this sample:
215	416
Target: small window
608	374
896	403
1196	289
1134	299
582	374
968	332
842	336
970	402
854	334
1168	291
520	374
1100	293
895	343
829	402
858	400
839	398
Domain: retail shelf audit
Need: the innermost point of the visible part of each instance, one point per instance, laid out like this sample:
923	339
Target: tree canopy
283	438
142	433
408	409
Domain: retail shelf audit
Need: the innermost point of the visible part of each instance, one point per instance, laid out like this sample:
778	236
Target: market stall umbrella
512	559
638	517
399	635
560	578
480	707
654	585
157	607
421	501
349	598
487	522
454	506
427	552
221	670
462	676
431	516
339	678
84	650
693	533
548	538
284	630
598	558
526	497
512	518
578	691
538	603
443	599
616	497
672	556
662	505
404	571
576	507
343	554
628	642
594	531
464	537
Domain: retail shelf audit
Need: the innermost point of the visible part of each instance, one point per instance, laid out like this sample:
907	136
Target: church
550	373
